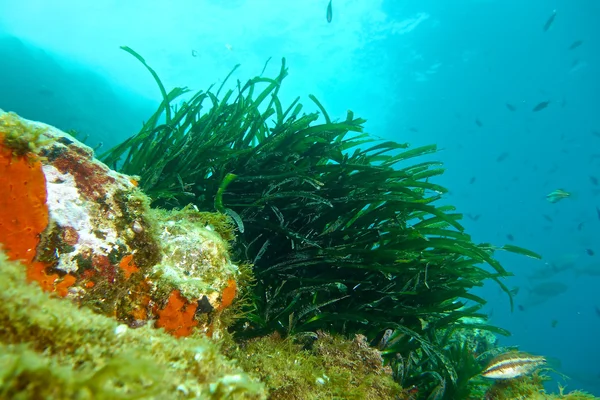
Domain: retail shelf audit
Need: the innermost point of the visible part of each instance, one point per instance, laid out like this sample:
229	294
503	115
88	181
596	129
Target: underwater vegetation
317	366
531	388
76	339
51	348
342	230
347	276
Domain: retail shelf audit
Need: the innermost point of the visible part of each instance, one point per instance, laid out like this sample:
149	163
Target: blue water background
420	71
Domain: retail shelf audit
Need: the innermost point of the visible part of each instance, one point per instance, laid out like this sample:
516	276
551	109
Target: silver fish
557	195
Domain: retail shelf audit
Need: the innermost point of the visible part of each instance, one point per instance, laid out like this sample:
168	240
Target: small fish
554	323
474	217
589	252
540	106
598	212
547	217
520	307
413	129
575	44
550	20
596	133
574	63
45	91
194	53
329	12
510	107
385	339
594	180
510	237
478	122
557	195
502	157
512	365
580	226
472	181
563	103
597	311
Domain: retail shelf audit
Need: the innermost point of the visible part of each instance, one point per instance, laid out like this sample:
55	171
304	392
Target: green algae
50	348
141	231
21	138
531	387
328	368
195	252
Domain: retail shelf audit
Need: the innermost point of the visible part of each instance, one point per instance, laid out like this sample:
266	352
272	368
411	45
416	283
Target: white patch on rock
68	209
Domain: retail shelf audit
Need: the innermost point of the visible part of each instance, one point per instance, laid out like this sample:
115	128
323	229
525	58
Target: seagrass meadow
342	231
333	273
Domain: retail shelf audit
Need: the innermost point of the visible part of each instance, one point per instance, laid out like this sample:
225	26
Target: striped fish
512	364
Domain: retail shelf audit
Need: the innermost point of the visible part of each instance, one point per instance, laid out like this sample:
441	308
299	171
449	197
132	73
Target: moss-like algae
140	229
330	368
531	387
196	253
50	348
21	138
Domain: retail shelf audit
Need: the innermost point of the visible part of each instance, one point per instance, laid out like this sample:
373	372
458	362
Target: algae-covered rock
87	233
50	348
531	387
318	366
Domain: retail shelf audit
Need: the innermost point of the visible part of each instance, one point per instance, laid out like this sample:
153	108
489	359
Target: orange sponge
228	294
178	315
23	210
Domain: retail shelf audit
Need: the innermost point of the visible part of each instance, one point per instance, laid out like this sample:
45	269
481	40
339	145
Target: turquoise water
419	71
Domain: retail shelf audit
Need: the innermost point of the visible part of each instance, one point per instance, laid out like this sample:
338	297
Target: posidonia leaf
486	327
521	251
416	152
318	103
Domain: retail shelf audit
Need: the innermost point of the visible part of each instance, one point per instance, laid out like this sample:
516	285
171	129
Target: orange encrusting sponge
178	315
128	266
24	216
23	210
228	295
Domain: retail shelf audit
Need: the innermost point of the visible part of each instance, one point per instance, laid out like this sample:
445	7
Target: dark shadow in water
40	86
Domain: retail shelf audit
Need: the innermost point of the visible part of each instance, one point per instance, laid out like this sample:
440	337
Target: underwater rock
53	349
87	233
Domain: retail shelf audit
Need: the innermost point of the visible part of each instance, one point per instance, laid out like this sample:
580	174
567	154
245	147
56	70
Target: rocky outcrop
88	234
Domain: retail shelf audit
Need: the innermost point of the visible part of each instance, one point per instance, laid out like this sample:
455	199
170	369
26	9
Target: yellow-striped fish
512	365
